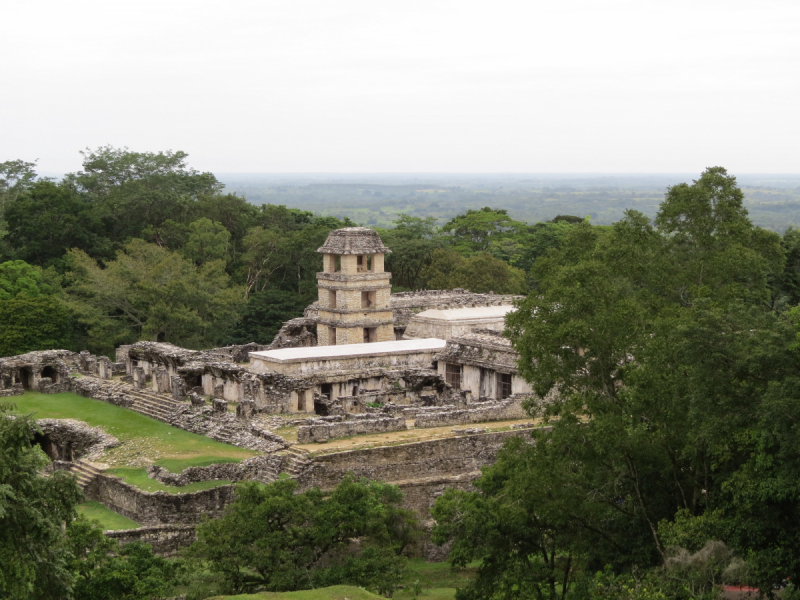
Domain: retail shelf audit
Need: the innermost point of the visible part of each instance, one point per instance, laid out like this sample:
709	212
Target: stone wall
322	431
100	390
158	508
166	540
482	412
409	462
259	468
69	439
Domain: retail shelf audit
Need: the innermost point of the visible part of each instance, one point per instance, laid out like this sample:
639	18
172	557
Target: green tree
264	314
208	241
481	273
16	176
412	241
134	191
104	571
521	524
18	277
662	348
153	293
474	230
48	219
35	323
32	511
274	538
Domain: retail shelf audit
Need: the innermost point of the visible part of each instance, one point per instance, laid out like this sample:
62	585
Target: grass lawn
94	511
144	440
438	580
139	478
337	592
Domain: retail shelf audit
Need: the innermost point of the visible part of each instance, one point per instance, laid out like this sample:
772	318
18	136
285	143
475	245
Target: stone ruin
325	388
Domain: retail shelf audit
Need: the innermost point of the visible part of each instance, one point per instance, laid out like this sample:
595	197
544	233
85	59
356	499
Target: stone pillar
161	381
178	388
139	380
219	391
245	409
196	399
220	407
104	369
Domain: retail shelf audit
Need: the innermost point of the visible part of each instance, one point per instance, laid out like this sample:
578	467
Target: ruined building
361	360
354	289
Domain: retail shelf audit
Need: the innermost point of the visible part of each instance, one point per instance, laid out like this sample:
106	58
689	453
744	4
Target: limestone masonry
360	361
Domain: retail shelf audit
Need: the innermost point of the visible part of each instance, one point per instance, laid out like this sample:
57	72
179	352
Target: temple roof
353	240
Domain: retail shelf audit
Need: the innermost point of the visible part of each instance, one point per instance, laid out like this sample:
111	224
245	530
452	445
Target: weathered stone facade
354	290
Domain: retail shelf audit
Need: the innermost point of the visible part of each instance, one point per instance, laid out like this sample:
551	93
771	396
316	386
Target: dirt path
408	436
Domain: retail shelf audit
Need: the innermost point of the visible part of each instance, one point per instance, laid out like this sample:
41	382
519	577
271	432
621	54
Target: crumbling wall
320	430
404	462
158	508
165	540
69	439
479	412
258	468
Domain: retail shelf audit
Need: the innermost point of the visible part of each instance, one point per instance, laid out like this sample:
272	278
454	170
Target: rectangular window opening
367	299
332	336
503	385
452	375
332	298
370	335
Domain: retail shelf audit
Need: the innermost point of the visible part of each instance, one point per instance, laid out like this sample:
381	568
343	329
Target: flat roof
465	314
347	350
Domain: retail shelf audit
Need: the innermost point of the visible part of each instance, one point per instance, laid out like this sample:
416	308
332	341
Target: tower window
332	298
367	299
370	335
331	336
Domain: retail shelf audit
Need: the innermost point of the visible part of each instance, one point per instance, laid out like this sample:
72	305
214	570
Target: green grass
138	478
439	580
94	511
143	436
336	592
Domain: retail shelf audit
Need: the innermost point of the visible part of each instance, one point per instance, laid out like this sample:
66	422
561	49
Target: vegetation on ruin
275	538
106	518
48	551
145	440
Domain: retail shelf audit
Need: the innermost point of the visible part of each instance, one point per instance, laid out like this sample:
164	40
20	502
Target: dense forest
141	246
668	347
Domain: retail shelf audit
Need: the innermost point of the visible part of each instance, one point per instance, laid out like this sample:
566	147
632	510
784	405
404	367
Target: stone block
219	406
178	388
245	409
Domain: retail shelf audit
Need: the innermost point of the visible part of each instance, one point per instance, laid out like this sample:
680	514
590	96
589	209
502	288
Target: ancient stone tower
354	289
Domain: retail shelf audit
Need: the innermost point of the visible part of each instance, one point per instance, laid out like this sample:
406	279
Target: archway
26	378
50	372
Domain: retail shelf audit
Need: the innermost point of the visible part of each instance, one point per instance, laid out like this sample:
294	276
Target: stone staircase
153	405
85	471
157	406
295	461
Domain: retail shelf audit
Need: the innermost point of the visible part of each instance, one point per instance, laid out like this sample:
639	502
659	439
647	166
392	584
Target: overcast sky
409	86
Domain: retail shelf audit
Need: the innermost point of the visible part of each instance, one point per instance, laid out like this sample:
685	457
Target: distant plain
375	200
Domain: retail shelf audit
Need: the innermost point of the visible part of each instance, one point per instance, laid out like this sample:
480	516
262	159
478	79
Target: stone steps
295	462
153	405
85	472
148	403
